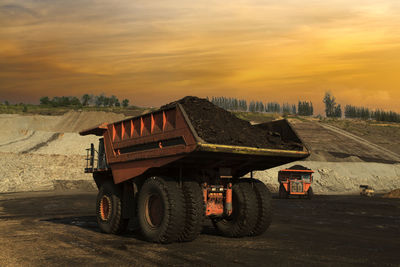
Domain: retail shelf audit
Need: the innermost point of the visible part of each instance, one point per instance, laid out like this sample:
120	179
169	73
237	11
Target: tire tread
194	211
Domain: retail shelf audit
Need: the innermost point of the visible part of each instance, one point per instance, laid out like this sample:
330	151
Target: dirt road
362	141
50	228
332	144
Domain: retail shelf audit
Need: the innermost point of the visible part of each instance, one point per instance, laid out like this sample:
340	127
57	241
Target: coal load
216	125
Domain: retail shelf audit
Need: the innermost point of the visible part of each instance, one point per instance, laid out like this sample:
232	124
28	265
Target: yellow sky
156	51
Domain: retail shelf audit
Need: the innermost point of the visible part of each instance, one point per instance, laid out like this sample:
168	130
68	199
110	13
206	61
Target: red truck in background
295	181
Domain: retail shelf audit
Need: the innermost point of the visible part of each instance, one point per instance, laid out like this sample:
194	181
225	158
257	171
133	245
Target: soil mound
218	126
299	167
393	194
72	121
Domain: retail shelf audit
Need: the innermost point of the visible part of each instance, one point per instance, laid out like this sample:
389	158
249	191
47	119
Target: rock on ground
393	194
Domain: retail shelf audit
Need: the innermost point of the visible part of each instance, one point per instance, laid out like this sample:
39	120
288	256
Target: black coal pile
215	125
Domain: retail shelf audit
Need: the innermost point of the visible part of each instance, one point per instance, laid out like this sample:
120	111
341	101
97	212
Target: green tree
330	105
74	101
252	106
305	108
45	100
86	99
106	101
338	111
125	103
99	100
112	100
286	108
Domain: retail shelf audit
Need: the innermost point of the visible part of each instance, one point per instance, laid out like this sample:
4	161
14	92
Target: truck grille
296	187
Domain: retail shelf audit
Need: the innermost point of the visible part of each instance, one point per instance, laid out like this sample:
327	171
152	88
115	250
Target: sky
154	52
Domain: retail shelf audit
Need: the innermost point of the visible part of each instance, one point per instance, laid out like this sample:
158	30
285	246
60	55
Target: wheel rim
154	210
105	208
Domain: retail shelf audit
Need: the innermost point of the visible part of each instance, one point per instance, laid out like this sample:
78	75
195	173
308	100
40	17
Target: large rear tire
194	211
264	206
161	210
109	209
244	212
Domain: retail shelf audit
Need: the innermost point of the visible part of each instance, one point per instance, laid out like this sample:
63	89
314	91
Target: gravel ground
36	172
60	229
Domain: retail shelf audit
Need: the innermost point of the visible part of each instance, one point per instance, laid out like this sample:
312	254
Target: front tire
160	210
109	209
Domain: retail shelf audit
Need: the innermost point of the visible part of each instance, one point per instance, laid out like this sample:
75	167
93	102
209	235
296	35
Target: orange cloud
273	51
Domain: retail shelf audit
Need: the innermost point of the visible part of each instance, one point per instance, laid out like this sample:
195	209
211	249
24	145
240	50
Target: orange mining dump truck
295	181
171	168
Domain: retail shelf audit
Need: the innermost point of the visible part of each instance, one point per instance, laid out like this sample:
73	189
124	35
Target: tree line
332	109
305	108
85	100
366	114
357	112
230	103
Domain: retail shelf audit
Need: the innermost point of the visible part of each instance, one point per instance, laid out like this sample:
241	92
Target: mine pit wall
341	177
46	153
41	172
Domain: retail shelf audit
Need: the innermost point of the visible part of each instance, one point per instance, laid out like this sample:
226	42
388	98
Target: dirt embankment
385	135
330	144
73	121
37	172
50	134
46	152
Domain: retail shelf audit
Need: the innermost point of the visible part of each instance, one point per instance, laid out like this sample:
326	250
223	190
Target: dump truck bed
166	138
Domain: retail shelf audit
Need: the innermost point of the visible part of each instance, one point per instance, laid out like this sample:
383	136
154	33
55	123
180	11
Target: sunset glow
153	52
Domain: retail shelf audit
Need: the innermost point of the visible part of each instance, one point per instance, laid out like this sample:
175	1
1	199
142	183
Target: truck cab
295	181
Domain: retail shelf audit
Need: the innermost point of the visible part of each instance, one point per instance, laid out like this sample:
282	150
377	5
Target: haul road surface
53	228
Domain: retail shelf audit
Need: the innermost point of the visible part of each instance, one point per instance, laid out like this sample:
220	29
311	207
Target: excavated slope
46	152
